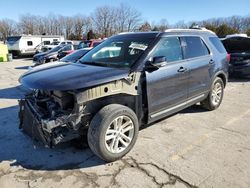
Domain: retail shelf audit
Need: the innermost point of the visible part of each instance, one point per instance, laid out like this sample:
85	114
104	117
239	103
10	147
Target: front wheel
113	132
215	95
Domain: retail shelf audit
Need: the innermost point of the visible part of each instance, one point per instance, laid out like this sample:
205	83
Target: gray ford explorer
129	80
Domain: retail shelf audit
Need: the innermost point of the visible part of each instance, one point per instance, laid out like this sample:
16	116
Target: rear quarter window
194	47
217	44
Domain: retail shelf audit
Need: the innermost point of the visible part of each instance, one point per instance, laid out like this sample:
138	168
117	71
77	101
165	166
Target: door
198	61
167	86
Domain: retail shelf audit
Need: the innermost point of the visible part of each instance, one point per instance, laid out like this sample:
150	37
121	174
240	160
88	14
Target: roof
150	34
197	31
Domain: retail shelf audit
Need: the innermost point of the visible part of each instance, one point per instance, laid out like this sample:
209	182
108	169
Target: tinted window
217	44
13	39
96	43
66	48
194	47
57	48
170	48
30	43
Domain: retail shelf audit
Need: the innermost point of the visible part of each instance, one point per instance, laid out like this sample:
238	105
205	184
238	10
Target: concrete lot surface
194	148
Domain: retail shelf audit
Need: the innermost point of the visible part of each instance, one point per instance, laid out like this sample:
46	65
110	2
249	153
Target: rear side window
217	44
169	47
29	43
194	47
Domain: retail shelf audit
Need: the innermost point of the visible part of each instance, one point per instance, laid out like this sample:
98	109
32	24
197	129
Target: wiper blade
94	63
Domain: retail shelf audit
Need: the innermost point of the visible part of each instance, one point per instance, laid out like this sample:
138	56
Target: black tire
207	103
99	125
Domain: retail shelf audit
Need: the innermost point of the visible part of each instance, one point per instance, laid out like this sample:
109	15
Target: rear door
167	86
199	62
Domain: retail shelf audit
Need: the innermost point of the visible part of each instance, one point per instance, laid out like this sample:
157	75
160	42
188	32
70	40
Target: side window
46	42
29	43
169	47
217	44
194	47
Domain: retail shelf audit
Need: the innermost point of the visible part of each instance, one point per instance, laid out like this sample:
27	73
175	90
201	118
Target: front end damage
56	116
52	116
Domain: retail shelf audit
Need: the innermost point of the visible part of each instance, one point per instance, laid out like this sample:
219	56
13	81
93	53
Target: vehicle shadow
24	57
22	67
192	109
23	151
16	92
234	79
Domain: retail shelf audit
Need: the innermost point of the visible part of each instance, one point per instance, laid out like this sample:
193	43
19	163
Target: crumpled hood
67	76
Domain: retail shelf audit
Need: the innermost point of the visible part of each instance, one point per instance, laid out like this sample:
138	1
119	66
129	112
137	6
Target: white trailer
28	44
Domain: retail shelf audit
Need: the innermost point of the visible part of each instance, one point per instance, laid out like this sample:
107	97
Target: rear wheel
215	95
113	131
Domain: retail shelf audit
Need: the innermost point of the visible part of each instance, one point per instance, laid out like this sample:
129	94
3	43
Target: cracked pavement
193	148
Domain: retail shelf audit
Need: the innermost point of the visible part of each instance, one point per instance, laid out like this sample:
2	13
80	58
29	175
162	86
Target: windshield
237	44
84	44
55	43
13	39
74	56
121	52
57	48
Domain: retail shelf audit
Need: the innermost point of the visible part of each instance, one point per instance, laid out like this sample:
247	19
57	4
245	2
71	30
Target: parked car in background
89	43
29	44
75	56
51	55
68	49
127	81
42	49
239	49
56	43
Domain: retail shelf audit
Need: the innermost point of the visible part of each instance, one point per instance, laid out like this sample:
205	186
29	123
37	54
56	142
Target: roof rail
192	29
122	33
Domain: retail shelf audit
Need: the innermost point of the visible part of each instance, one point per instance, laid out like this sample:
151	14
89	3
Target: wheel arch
223	76
131	101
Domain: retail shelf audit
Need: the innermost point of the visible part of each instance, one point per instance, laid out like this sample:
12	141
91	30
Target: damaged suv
129	80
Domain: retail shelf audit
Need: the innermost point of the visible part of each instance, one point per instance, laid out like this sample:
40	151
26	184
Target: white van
28	44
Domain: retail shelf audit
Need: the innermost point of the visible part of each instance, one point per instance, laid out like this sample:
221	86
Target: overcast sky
151	10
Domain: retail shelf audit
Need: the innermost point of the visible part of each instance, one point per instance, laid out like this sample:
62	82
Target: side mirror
156	62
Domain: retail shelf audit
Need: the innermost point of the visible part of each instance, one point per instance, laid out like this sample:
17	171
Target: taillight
228	57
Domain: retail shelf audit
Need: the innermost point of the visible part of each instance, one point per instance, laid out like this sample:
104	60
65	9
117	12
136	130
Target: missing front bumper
49	132
30	124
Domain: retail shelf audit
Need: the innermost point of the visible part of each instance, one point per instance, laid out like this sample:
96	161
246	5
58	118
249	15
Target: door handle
211	61
182	69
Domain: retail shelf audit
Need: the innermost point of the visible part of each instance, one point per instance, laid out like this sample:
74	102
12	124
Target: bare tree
7	28
103	20
128	19
181	25
145	27
27	23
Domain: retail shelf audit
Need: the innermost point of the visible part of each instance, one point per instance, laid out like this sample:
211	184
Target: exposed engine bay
51	116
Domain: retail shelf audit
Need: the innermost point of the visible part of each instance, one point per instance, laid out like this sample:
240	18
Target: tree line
106	21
